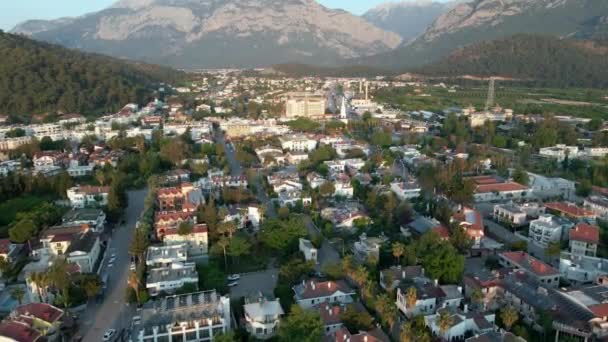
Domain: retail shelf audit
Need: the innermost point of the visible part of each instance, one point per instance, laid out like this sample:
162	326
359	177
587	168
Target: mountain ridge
212	33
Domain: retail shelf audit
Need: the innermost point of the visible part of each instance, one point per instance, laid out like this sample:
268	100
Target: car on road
133	266
110	265
109	334
135	321
234	277
233	283
112	259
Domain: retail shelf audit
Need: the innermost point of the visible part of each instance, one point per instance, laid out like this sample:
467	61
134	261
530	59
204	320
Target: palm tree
405	335
398	251
41	280
444	321
411	297
91	287
18	294
477	297
509	316
134	283
223	243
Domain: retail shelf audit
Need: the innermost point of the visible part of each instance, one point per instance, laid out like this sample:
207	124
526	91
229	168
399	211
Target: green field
587	103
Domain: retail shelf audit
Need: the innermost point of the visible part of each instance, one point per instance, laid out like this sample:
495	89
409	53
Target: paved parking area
250	283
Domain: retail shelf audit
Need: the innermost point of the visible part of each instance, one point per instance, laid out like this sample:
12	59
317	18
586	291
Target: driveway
113	312
251	283
327	254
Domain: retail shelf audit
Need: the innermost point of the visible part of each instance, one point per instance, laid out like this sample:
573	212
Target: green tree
444	321
521	176
225	337
174	151
282	236
509	316
294	270
23	231
185	228
327	189
355	320
386	309
553	249
91	286
398	251
301	326
239	246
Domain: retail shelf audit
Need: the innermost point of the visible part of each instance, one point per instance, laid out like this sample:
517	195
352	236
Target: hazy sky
13	12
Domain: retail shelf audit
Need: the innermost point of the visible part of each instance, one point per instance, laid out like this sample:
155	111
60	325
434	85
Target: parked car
234	277
107	336
233	283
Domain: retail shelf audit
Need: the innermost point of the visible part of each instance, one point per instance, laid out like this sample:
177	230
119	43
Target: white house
88	196
197	241
313	292
464	323
298	142
406	190
262	317
169	279
309	251
547	229
162	256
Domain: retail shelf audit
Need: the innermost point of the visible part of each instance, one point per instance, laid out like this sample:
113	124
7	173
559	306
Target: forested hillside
37	77
541	60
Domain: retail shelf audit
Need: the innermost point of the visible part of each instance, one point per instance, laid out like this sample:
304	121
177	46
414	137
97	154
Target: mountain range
218	33
401	36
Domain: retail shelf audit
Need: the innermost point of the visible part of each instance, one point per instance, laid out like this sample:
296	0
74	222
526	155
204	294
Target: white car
233	283
107	336
112	259
135	321
234	277
110	265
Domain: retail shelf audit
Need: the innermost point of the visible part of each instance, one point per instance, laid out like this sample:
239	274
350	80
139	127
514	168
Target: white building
406	190
309	251
313	292
547	229
169	279
88	196
305	105
190	317
298	142
162	256
509	213
584	239
262	317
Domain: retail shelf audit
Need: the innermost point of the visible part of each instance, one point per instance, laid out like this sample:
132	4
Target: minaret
343	111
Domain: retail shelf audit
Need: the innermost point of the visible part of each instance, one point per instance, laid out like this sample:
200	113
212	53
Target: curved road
112	312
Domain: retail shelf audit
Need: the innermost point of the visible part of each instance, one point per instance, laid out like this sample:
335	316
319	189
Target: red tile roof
42	311
441	231
18	331
314	288
330	314
89	189
585	233
500	187
529	263
569	209
5	245
343	335
197	229
599	310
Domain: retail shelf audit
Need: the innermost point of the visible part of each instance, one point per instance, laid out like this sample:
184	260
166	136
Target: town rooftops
42	311
500	187
375	335
529	263
196	229
314	288
585	233
86	214
569	209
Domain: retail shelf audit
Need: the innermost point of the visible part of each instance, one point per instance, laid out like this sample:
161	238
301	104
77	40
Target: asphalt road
235	166
254	282
113	312
327	254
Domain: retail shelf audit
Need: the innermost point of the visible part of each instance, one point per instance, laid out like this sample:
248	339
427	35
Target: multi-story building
88	196
406	190
262	316
8	144
547	229
298	142
309	251
510	214
33	322
93	217
584	239
304	105
197	241
171	278
161	256
598	204
195	316
542	273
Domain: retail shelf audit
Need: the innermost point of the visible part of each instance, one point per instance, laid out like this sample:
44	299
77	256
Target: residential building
472	222
309	251
313	292
406	190
262	316
597	204
584	239
463	323
392	277
171	278
88	196
582	269
570	210
197	241
428	298
368	247
500	191
510	214
8	144
374	335
162	256
298	142
547	229
189	317
542	273
559	152
93	217
32	322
